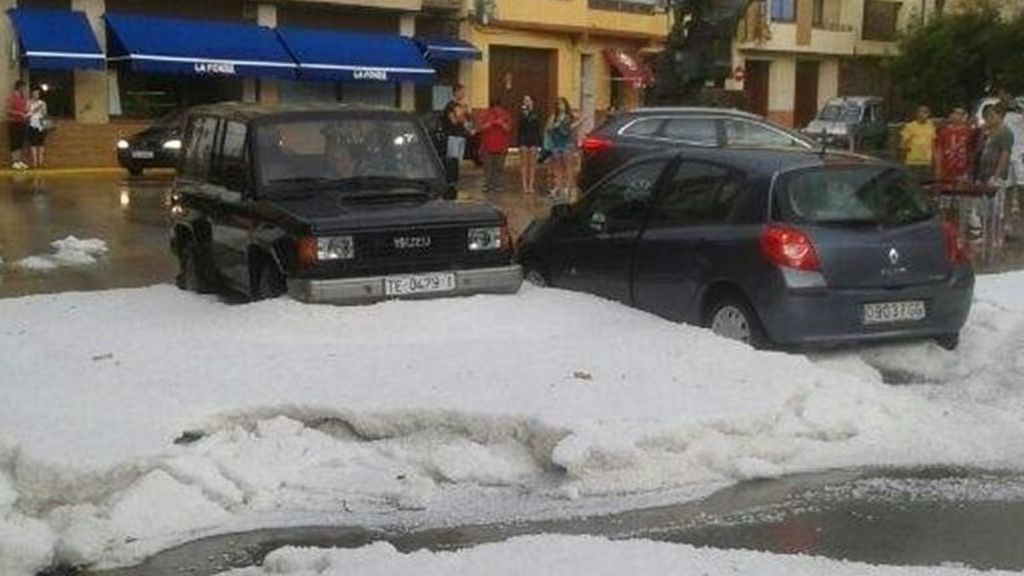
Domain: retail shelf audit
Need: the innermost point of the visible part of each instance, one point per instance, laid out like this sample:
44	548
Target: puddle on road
926	517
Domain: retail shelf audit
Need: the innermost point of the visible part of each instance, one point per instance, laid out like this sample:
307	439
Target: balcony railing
631	6
443	4
834	27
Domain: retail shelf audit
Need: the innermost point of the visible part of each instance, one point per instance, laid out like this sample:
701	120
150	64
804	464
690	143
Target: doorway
805	105
516	72
756	85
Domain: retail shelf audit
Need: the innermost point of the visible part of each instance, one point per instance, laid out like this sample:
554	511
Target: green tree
697	51
954	59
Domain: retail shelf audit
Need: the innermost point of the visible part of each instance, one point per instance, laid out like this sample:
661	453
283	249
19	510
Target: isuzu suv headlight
173	144
335	248
490	238
123	144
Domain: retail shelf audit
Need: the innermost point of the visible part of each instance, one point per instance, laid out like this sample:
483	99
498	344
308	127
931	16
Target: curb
58	171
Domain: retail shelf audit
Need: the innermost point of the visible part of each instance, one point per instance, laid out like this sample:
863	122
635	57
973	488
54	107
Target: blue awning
445	49
179	46
56	39
341	56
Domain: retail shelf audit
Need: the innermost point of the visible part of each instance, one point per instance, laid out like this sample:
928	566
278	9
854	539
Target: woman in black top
530	139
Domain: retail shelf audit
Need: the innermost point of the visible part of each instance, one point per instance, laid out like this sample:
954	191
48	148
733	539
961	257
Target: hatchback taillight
789	247
956	248
595	144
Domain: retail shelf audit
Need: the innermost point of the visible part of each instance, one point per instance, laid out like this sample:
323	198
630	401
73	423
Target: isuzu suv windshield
328	152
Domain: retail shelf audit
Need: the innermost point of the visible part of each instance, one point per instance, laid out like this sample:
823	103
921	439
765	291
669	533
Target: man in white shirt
1014	121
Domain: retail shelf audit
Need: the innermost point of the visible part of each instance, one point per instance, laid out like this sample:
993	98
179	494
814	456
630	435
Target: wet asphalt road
924	517
131	216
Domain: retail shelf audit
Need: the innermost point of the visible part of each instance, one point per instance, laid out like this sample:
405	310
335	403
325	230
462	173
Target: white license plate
886	312
142	154
419	284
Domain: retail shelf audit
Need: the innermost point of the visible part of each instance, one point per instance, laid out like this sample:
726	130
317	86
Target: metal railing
633	7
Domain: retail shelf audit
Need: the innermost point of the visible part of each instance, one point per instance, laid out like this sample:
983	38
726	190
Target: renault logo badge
894	256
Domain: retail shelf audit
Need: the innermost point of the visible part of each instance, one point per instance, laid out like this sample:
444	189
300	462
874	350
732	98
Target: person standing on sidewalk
38	120
917	141
994	171
453	125
1014	122
559	135
495	133
953	158
17	124
953	148
530	139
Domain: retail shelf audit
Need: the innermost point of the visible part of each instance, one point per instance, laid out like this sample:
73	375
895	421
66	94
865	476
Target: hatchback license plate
142	154
419	284
886	312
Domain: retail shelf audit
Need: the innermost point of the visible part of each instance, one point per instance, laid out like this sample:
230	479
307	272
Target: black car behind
158	146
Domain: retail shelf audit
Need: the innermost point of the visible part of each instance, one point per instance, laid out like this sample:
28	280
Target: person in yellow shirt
917	142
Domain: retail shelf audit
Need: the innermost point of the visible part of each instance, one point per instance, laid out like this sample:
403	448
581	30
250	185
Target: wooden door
805	105
516	72
756	85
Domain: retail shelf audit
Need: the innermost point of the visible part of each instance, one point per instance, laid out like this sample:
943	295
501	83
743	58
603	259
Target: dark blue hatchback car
772	247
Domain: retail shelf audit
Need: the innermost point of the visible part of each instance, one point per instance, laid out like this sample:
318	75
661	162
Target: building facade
791	56
160	56
591	52
145	58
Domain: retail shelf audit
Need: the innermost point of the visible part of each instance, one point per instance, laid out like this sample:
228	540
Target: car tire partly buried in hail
731	317
190	270
269	282
533	276
949	341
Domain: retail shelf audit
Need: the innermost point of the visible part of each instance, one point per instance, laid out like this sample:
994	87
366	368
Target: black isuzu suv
329	204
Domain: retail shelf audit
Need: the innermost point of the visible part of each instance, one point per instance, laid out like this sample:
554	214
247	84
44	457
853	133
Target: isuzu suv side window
202	137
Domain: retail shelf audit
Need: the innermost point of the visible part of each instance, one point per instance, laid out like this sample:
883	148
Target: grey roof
691	110
765	162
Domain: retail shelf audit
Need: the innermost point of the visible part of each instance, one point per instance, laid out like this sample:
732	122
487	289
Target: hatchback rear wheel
949	341
731	317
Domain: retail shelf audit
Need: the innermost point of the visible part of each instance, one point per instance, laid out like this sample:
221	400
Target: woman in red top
17	123
495	133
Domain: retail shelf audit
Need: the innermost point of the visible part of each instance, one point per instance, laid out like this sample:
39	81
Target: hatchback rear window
867	195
